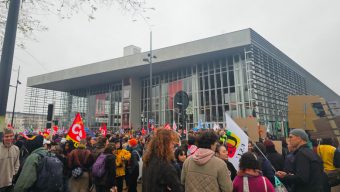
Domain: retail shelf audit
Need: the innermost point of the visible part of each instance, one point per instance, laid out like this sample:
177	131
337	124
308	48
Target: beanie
300	133
133	142
34	142
8	131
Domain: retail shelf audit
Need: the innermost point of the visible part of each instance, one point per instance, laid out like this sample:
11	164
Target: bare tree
33	10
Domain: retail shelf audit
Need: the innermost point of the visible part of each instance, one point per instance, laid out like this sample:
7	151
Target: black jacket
276	160
160	176
307	171
109	179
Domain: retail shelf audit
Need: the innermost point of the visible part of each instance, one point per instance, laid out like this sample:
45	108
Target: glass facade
245	81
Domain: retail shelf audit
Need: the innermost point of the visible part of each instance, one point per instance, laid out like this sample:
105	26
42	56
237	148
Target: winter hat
8	131
300	133
133	142
34	142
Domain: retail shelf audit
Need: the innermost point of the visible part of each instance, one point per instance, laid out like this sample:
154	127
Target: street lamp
149	59
15	96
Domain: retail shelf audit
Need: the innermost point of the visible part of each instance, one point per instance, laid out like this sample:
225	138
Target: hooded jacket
28	175
9	164
205	172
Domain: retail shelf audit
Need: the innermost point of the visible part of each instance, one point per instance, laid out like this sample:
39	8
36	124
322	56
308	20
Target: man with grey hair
307	174
9	161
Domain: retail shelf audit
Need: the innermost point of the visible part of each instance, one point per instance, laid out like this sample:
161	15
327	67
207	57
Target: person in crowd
222	153
192	148
307	174
80	158
133	165
99	147
122	156
250	147
159	173
250	178
91	145
106	183
67	147
28	175
266	167
9	161
203	171
275	158
58	151
288	165
326	152
180	157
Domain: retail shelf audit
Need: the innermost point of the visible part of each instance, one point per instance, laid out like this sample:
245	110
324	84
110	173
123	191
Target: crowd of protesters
169	163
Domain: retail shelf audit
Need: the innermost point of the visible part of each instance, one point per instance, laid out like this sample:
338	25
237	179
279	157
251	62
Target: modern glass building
240	73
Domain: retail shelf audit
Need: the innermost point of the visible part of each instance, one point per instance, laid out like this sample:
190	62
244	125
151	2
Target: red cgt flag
77	130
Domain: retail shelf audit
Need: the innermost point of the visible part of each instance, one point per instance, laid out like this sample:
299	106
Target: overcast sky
308	31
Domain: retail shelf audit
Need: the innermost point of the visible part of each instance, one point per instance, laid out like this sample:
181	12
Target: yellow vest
122	155
326	152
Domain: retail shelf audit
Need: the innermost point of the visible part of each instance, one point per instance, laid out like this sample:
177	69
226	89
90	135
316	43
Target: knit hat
133	142
300	133
8	130
34	142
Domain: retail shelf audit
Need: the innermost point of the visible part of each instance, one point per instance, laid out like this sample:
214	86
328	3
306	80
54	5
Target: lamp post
7	58
149	59
15	96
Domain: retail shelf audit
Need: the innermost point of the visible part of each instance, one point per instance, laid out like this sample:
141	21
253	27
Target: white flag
216	126
174	126
237	141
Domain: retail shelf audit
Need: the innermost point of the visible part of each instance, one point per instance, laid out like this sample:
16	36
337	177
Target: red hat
133	142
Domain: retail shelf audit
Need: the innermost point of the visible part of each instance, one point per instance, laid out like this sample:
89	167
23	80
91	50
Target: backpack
98	168
336	160
50	174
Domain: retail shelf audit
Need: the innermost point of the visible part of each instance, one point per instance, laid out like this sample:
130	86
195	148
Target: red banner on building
173	88
77	130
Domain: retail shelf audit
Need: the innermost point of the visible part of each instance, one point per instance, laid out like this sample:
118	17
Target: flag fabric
200	124
207	125
167	126
216	126
237	141
174	126
77	130
143	131
103	129
55	129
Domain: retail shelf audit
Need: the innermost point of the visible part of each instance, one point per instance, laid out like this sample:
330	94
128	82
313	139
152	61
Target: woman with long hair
159	173
180	157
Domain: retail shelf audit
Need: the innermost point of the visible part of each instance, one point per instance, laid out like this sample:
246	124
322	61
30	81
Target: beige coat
208	174
9	164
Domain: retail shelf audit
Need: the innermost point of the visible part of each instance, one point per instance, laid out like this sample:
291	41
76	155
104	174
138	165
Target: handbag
77	172
279	187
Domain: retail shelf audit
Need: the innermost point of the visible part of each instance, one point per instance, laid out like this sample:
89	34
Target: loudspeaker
48	125
49	112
